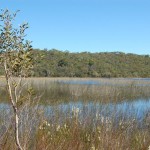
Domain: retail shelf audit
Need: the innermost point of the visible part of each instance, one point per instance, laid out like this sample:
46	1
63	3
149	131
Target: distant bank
55	63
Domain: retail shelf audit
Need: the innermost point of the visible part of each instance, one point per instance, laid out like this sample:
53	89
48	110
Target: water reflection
136	109
133	109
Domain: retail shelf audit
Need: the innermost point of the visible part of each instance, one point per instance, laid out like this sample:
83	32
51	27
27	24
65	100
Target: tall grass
73	130
56	90
45	125
109	90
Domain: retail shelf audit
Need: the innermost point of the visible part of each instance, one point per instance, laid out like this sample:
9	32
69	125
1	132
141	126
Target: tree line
56	63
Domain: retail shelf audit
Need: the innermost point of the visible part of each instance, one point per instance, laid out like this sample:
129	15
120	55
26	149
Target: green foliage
115	64
16	60
16	53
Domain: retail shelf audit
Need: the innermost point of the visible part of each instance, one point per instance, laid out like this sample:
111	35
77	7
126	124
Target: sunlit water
137	109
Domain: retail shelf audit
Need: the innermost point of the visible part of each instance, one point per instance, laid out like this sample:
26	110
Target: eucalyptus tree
16	60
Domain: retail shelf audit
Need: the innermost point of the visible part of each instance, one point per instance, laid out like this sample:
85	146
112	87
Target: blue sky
86	25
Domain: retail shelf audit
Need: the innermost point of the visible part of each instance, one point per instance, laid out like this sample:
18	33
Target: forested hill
54	63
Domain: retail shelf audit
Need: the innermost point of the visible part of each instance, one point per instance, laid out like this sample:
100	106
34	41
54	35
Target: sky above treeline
85	25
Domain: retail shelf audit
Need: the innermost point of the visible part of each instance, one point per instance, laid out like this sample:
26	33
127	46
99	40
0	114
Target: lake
136	109
88	111
113	98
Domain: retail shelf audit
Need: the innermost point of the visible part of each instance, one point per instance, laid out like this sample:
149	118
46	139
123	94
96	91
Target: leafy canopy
15	51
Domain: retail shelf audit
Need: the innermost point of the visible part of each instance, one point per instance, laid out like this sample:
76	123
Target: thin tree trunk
14	106
17	129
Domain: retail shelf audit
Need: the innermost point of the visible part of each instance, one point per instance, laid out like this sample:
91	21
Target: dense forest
55	63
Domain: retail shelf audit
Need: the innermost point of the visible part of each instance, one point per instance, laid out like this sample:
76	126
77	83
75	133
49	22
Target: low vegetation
58	90
75	129
45	122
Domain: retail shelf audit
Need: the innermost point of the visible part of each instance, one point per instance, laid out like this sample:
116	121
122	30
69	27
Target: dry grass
59	90
68	130
103	90
77	128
